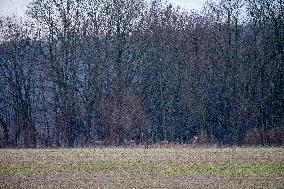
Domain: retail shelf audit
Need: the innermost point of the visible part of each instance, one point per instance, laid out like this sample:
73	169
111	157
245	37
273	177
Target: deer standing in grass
164	143
146	144
97	143
130	142
194	141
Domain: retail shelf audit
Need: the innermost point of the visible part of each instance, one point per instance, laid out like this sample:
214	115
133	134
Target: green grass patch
157	167
166	161
21	170
226	170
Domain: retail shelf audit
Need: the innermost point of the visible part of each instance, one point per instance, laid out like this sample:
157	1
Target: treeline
75	71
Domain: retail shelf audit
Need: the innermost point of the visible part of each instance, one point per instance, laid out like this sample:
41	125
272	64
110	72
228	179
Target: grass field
142	168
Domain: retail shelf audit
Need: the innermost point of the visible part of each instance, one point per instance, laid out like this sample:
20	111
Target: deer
130	142
98	143
194	141
164	143
146	144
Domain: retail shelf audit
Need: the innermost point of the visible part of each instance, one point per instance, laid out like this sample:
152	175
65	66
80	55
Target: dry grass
142	168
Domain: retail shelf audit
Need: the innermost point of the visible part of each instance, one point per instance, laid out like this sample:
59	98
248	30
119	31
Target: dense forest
76	71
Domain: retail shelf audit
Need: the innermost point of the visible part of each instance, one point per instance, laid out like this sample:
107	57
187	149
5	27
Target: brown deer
146	144
97	143
130	142
194	141
164	143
